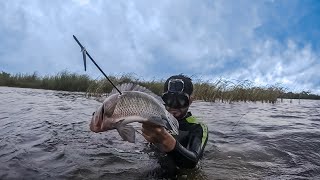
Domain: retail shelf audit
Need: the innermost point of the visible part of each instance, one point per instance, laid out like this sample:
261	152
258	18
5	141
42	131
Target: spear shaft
85	52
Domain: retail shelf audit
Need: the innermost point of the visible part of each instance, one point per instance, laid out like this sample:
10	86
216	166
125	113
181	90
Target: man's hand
157	134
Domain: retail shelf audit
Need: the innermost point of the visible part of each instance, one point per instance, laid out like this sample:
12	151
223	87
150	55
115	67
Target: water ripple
285	116
48	137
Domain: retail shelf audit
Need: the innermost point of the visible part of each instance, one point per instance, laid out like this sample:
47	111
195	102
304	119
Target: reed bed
64	81
214	91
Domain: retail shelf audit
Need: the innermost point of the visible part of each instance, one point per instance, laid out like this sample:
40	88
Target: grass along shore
220	90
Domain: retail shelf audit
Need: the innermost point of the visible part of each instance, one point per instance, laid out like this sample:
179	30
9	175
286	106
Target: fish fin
131	119
127	133
167	124
157	120
173	124
135	87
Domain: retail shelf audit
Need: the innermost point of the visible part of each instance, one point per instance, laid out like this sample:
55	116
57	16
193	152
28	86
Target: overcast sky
266	42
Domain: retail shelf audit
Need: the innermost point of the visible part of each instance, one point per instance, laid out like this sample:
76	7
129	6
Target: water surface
45	135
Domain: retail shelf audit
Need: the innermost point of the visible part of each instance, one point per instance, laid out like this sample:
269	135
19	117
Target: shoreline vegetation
220	90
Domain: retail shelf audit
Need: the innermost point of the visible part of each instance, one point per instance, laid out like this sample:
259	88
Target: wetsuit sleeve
188	157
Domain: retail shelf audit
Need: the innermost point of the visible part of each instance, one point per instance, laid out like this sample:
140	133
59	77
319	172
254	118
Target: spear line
85	54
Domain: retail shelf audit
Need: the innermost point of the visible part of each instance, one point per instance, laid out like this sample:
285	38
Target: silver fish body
135	104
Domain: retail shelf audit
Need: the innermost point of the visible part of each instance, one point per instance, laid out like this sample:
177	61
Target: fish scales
131	104
135	104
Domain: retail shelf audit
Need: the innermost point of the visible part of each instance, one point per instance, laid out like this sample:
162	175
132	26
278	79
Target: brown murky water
45	135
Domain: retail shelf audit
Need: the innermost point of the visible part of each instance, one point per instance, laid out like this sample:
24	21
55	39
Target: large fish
135	104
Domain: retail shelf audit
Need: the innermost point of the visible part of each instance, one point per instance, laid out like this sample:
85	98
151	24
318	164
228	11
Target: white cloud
289	65
211	39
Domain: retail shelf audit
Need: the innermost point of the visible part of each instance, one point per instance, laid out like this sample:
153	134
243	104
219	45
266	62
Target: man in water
187	148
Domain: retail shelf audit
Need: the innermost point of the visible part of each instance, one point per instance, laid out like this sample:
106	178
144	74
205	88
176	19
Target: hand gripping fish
135	104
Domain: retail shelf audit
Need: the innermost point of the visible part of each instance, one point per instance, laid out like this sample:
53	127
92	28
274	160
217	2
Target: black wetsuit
191	141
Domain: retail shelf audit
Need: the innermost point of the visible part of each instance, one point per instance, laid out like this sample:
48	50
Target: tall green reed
217	90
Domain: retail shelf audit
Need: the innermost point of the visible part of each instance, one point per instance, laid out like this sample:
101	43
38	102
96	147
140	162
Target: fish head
103	117
96	120
109	105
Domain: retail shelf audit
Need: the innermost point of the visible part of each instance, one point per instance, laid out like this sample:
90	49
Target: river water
45	135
